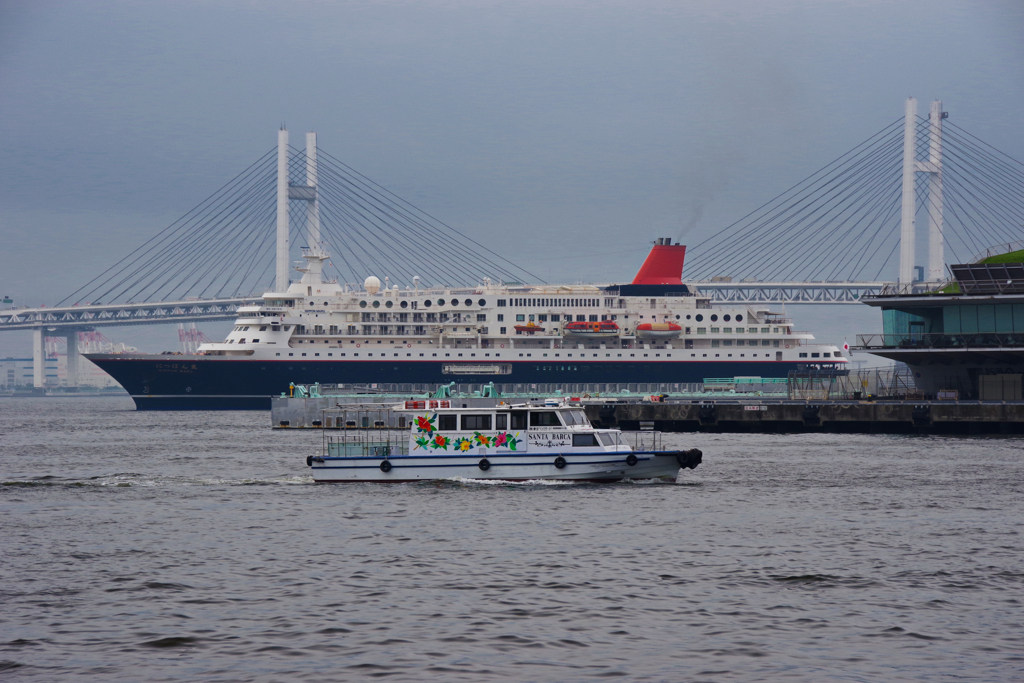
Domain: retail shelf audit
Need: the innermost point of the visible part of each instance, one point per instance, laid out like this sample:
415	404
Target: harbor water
148	546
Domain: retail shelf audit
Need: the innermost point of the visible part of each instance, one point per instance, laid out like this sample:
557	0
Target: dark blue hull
212	383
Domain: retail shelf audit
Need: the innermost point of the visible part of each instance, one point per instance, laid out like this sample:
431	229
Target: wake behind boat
432	439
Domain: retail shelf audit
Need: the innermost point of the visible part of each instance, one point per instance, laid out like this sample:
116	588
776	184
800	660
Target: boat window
581	417
606	439
547	418
518	420
584	440
569	417
446	423
501	421
472	423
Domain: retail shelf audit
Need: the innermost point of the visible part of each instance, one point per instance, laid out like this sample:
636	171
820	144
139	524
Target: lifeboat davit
529	328
593	330
658	330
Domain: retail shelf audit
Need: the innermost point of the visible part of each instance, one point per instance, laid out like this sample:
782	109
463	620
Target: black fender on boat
484	464
385	466
309	461
631	460
690	459
559	462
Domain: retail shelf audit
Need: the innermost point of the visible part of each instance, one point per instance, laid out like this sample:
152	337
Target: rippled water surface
195	547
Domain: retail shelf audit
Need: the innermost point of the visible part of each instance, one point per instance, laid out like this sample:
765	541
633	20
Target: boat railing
364	431
644	440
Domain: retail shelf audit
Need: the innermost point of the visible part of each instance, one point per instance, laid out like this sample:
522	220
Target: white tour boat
434	439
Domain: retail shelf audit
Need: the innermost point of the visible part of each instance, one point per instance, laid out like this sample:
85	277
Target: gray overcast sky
566	134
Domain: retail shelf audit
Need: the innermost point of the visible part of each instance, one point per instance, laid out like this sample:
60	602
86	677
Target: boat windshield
575	417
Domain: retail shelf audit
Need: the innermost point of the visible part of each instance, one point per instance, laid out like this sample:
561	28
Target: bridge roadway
88	317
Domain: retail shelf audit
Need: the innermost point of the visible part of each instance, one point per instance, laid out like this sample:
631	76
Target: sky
567	135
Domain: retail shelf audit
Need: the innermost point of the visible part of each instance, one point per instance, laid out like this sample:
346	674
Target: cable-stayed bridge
842	233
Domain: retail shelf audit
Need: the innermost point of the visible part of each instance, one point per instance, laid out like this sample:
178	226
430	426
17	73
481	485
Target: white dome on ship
372	284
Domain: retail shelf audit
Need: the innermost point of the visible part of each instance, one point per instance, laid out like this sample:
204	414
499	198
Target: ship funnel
664	265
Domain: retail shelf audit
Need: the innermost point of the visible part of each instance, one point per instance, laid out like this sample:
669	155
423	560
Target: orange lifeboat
594	330
658	330
529	328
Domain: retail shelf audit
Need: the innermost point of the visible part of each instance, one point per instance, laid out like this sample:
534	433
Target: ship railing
938	341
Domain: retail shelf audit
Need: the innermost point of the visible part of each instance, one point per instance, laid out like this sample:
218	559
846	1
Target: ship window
501	303
739	318
702	330
291	354
669	355
699	317
446	423
517	420
501	421
581	318
316	354
714	330
555	317
542	318
389	304
838	355
815	355
476	423
255	341
277	354
501	317
764	330
503	330
547	418
827	355
427	303
303	354
455	302
766	342
714	318
263	328
584	440
726	318
520	318
803	355
404	304
469	302
726	330
618	355
645	355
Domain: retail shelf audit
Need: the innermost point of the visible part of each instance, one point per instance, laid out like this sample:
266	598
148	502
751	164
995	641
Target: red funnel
663	266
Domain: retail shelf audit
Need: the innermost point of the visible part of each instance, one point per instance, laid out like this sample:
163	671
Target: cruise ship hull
161	382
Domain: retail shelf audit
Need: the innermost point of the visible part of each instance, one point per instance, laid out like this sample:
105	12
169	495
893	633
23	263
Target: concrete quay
869	417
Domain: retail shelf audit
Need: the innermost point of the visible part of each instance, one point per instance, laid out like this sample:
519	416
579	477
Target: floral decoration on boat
463	444
440	442
426	423
482	439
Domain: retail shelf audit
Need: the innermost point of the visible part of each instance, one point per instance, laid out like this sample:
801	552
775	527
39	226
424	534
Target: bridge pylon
911	167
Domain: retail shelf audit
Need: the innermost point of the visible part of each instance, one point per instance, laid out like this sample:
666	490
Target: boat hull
592	467
158	382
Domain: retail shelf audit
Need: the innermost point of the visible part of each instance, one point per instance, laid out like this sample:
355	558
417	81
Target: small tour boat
432	439
592	330
664	330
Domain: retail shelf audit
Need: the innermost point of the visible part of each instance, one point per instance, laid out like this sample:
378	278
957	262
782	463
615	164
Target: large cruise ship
655	329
